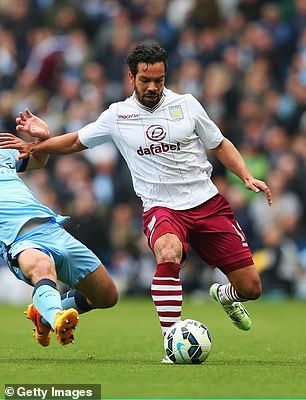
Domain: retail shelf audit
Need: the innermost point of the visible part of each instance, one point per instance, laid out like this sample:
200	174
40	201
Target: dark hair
149	53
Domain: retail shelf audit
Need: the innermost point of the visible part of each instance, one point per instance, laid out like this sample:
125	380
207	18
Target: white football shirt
164	148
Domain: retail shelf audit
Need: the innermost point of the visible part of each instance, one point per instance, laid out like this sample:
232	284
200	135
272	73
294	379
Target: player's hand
32	125
259	186
9	141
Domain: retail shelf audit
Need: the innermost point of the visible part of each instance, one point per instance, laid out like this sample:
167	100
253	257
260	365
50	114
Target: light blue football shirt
17	202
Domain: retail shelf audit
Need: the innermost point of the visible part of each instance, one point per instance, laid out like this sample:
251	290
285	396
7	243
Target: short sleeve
97	132
205	128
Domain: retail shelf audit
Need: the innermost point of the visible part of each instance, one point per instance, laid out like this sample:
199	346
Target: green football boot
236	311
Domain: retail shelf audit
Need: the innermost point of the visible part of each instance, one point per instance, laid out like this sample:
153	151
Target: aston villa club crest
176	113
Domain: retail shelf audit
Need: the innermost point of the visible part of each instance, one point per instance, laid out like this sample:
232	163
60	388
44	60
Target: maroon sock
167	294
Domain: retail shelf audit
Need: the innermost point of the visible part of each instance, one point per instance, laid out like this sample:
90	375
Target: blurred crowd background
244	60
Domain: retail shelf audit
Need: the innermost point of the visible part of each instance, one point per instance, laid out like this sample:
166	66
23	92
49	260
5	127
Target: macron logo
128	116
158	148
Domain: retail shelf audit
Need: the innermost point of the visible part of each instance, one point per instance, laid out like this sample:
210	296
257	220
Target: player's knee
168	248
252	291
112	298
105	299
169	253
169	257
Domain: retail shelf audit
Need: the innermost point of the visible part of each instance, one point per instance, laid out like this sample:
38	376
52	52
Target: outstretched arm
30	124
64	144
37	128
230	157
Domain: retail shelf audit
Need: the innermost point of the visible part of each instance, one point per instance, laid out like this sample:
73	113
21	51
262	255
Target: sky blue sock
77	300
47	300
73	299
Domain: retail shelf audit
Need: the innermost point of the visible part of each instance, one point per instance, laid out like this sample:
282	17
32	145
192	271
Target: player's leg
39	269
244	281
167	239
166	287
79	268
220	241
96	290
166	235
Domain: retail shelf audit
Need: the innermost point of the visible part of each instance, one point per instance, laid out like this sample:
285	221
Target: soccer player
39	251
163	137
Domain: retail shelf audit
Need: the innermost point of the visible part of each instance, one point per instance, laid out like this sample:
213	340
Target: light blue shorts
73	260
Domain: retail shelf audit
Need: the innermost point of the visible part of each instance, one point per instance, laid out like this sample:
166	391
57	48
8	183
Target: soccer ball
187	342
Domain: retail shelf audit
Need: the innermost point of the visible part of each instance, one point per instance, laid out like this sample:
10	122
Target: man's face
149	83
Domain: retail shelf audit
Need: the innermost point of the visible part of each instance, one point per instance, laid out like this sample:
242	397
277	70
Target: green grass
121	349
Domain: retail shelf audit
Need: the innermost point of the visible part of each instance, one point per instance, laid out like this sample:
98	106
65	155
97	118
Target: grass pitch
121	349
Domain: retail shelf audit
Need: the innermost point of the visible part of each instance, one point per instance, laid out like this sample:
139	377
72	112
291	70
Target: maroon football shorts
210	229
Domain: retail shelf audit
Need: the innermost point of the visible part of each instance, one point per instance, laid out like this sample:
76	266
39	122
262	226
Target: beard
148	99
